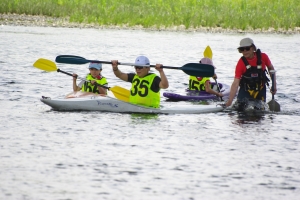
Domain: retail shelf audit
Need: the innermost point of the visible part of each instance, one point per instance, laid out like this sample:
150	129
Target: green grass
240	14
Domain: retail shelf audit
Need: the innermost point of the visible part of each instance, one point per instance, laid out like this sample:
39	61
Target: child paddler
93	77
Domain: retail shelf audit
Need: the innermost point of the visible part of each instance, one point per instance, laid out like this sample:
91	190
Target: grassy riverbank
226	14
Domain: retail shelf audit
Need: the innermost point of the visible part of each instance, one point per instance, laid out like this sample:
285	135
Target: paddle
47	65
193	69
273	105
208	54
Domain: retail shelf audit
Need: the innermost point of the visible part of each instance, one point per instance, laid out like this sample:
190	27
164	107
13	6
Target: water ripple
46	154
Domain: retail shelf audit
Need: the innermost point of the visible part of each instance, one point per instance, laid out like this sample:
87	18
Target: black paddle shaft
192	69
97	84
272	77
273	105
218	88
70	59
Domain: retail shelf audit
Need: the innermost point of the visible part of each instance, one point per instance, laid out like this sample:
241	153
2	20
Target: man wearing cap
250	74
203	83
145	88
88	85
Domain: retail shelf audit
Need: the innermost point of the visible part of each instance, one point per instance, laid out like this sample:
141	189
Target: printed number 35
140	88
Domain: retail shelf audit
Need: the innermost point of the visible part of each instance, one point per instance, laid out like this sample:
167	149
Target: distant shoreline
45	21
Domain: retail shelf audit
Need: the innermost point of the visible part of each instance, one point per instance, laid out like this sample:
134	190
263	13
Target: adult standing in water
250	74
145	88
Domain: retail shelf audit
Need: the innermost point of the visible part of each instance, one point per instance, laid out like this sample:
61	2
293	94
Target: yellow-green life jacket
141	93
88	87
198	83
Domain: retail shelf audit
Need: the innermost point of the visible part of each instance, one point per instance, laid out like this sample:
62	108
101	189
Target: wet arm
209	90
233	89
102	90
75	87
271	70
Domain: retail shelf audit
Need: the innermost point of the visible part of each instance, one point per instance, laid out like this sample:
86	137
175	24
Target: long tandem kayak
92	102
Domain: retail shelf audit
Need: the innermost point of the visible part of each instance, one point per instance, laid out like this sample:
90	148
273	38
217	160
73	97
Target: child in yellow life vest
93	77
203	83
145	88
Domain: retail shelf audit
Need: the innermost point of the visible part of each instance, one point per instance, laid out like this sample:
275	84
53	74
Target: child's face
94	72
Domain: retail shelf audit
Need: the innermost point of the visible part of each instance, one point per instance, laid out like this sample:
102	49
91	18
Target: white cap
142	60
97	66
246	42
207	61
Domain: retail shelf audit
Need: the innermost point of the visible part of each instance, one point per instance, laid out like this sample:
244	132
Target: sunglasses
136	67
241	49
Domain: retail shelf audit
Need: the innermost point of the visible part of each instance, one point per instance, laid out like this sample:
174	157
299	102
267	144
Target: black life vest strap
245	61
258	54
246	77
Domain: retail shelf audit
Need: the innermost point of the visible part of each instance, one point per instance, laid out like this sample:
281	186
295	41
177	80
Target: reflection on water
247	117
147	116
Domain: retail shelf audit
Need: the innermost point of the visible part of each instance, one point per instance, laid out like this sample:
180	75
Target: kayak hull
198	95
109	104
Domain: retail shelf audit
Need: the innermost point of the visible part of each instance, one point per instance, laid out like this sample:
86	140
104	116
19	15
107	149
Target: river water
47	154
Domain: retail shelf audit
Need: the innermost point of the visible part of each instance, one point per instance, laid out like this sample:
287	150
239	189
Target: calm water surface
47	154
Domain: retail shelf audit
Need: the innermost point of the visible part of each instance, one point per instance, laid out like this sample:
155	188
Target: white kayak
92	102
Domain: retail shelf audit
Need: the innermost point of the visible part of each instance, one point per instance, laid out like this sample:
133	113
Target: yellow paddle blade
208	52
120	93
46	65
